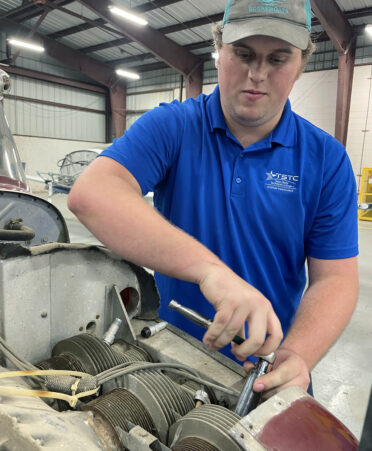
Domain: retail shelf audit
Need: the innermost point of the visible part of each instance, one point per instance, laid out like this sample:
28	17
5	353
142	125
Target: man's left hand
289	369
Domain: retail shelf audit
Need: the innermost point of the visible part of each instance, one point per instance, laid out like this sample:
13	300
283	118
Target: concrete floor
342	379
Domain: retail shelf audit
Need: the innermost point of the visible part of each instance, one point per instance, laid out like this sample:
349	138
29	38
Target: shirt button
238	180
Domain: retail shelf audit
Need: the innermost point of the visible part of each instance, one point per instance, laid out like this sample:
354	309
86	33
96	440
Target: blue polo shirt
262	209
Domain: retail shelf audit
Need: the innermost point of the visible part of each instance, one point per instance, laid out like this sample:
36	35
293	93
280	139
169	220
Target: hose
14	231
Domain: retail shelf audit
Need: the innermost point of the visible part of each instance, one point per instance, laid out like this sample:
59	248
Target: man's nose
258	71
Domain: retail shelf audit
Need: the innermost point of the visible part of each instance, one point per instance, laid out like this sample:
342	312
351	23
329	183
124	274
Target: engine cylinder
96	356
194	444
119	408
208	423
165	400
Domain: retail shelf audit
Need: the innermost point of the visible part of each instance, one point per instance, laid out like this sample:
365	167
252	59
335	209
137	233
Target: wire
18	362
183	370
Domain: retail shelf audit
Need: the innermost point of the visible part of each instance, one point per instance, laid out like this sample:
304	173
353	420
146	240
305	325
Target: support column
346	62
118	98
194	82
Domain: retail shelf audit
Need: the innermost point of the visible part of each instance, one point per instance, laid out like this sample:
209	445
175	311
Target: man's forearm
324	311
124	222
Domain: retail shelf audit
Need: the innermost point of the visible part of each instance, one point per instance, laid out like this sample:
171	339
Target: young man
247	191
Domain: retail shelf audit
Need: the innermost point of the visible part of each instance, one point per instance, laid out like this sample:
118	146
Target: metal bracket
140	440
116	309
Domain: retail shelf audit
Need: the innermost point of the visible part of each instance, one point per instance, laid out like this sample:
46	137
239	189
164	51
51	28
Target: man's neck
251	134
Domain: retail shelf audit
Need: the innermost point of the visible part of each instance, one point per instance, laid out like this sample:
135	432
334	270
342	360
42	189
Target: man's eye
244	55
277	60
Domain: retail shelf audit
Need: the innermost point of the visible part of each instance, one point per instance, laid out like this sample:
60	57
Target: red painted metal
194	82
54	79
118	99
342	35
346	64
334	23
306	426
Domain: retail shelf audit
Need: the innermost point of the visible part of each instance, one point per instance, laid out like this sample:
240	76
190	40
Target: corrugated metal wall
38	119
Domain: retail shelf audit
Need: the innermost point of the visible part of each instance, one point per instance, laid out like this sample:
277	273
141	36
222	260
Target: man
247	191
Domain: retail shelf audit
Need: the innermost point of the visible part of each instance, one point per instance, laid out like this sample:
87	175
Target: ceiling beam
349	15
156	4
29	36
160	65
143	56
364	12
165	30
101	22
165	49
31	10
53	79
76	60
334	23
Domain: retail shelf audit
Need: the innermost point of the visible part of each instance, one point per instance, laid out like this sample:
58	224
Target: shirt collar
284	133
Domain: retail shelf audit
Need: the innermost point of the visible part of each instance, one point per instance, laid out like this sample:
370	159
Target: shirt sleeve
148	148
334	232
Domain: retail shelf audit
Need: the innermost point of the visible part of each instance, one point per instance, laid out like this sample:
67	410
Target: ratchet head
268	358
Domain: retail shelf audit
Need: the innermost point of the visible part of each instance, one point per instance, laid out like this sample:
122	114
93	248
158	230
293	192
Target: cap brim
295	35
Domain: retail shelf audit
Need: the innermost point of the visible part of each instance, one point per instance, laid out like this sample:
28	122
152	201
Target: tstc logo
282	177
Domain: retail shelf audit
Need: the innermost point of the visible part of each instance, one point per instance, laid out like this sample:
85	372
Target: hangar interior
70	97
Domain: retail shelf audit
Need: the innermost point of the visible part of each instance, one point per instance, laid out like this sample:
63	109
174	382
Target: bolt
242	435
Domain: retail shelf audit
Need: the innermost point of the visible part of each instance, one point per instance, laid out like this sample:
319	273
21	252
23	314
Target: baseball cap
289	20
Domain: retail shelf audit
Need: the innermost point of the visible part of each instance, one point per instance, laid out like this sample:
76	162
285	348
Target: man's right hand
237	302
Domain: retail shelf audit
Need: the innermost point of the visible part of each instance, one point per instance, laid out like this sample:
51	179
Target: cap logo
269	6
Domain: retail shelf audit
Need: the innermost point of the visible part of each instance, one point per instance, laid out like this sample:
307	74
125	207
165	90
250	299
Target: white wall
42	154
314	97
359	143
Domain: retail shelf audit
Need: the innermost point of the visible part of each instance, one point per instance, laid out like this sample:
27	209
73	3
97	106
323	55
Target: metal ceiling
86	37
187	23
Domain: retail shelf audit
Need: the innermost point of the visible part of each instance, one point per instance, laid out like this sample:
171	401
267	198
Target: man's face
255	76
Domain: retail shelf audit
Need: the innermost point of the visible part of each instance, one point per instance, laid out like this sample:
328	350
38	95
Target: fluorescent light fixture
26	45
127	74
215	55
369	28
127	15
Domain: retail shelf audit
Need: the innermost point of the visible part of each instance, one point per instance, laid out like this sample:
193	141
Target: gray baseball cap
289	20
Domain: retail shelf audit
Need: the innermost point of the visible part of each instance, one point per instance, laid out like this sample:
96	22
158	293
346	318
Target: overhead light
215	55
127	74
26	45
368	28
127	15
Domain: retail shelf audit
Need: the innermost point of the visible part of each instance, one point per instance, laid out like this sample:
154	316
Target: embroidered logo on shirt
281	182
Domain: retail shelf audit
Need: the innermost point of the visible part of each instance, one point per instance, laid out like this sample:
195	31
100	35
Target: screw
242	435
44	314
81	328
